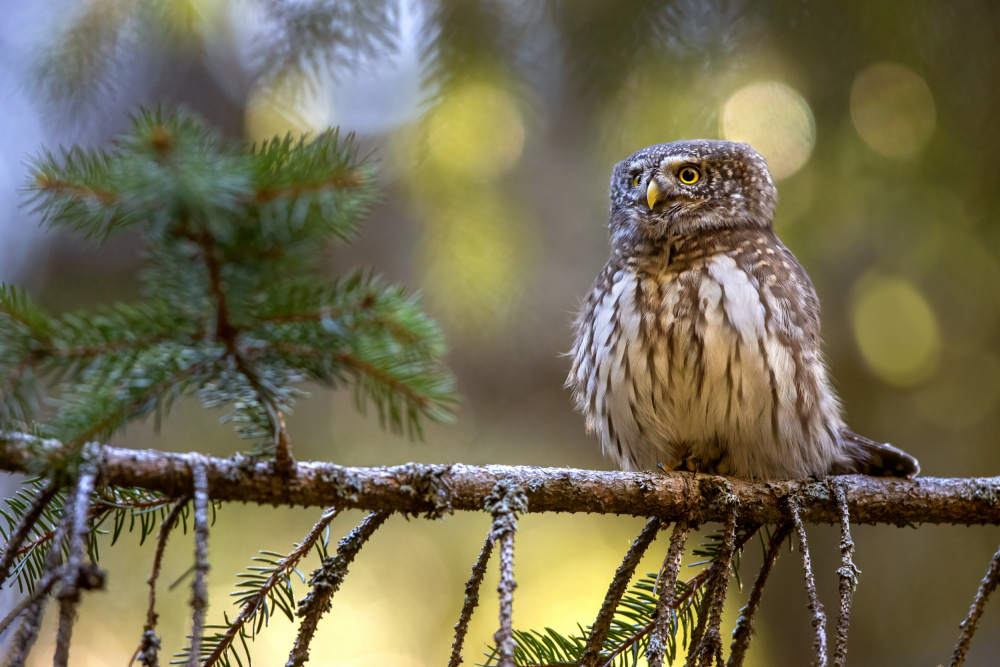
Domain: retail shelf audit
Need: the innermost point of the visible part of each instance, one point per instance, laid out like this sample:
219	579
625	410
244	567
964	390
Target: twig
73	569
199	587
818	616
986	587
664	615
505	502
848	577
744	625
599	630
282	567
45	495
471	601
149	646
26	634
706	642
326	581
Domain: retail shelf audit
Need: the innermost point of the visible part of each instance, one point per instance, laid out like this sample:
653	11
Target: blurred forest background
496	124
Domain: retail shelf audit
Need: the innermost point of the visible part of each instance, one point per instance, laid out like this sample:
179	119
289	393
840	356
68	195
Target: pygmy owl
698	346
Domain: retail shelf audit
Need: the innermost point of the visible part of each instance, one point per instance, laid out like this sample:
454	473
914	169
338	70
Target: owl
698	347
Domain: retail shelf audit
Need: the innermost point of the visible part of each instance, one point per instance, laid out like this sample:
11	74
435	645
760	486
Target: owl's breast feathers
703	352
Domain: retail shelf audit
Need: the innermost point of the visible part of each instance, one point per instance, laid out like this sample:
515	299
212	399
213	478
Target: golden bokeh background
495	126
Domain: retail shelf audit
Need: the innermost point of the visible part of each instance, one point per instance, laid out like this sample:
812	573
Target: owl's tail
878	459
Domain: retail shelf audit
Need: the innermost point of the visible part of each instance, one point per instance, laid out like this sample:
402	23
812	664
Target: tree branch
471	600
417	488
599	630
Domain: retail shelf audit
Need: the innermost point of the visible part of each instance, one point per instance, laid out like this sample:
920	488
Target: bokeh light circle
477	130
774	119
895	329
893	109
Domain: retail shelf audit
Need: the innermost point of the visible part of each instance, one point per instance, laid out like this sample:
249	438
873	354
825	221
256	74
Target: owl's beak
655	193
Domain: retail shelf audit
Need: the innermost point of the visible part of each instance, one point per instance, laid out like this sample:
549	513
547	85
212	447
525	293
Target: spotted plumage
698	346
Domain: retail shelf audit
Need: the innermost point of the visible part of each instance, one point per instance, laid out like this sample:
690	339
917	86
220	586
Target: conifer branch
149	645
671	496
34	606
471	601
663	617
619	584
253	603
986	587
74	571
13	547
325	582
848	573
744	625
706	640
199	587
505	503
815	607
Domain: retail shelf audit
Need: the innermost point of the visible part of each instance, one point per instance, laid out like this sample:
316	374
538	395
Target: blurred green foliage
496	201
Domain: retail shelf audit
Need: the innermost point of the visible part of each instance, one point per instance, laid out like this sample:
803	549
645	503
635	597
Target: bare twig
73	570
199	587
283	566
664	616
818	615
706	642
326	581
599	630
38	504
848	577
34	606
986	587
670	496
505	502
149	646
744	625
471	601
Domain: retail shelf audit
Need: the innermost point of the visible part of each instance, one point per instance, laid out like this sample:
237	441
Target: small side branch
471	601
24	526
74	575
848	577
281	570
663	616
34	607
818	616
599	630
744	625
199	588
986	587
326	581
506	502
706	641
148	651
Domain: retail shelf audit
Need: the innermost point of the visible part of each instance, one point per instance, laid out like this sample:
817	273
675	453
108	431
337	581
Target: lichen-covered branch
199	587
815	607
418	488
848	573
471	601
599	631
326	581
744	624
986	587
505	502
664	614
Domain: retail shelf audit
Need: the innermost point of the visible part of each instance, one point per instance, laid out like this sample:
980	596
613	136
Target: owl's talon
664	468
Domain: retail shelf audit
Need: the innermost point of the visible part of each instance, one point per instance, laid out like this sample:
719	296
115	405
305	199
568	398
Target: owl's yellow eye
636	180
689	175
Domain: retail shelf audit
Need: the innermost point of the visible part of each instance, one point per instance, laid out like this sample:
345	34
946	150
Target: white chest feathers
705	370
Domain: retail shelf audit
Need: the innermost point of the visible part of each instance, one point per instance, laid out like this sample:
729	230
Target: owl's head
672	189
